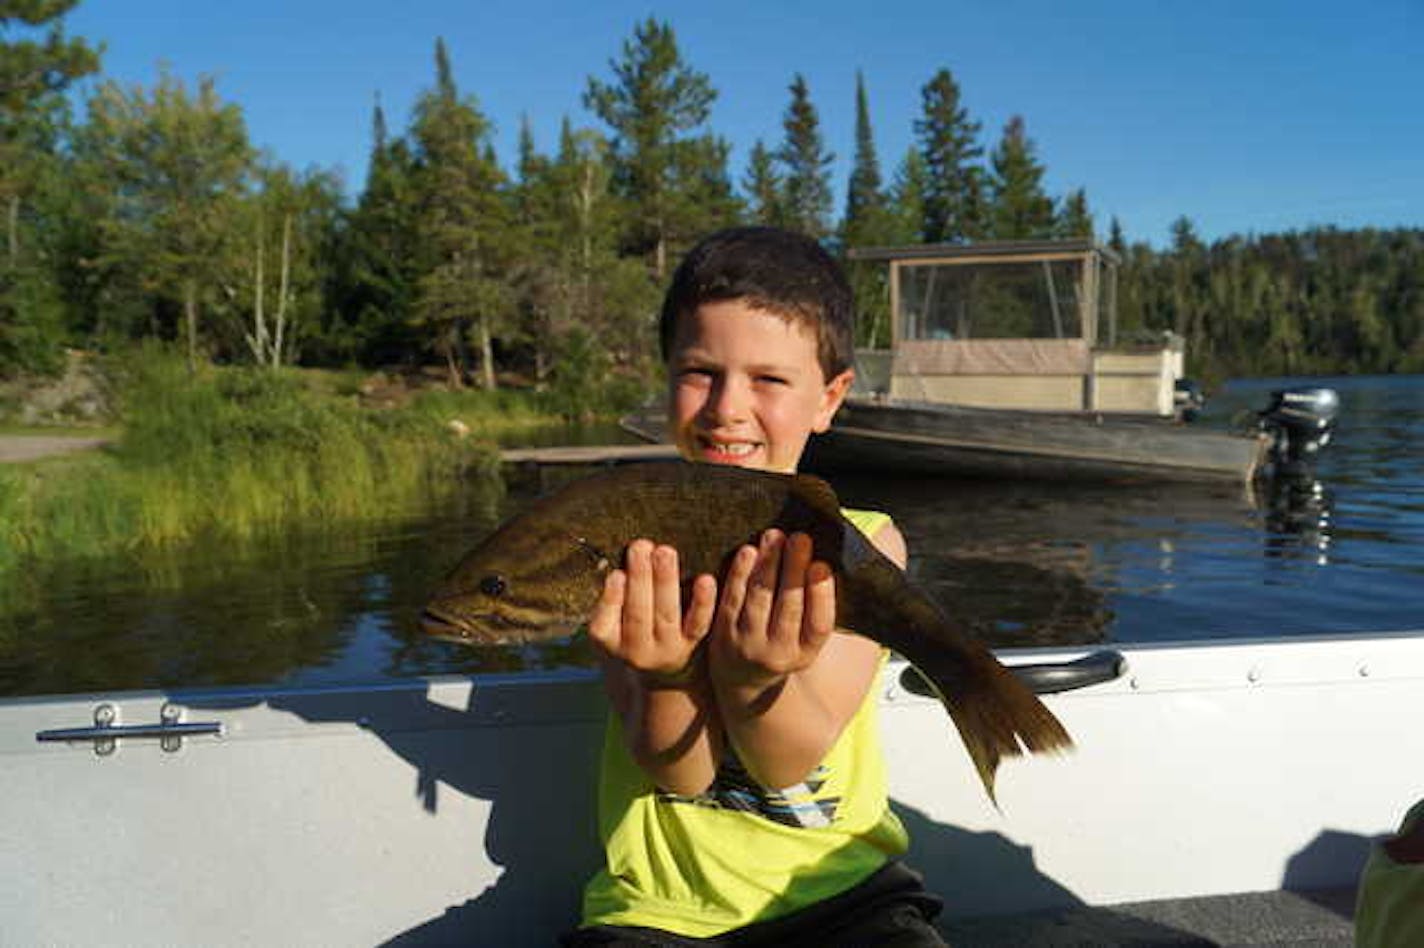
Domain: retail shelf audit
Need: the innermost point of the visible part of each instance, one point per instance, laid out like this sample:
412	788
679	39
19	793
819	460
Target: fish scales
539	575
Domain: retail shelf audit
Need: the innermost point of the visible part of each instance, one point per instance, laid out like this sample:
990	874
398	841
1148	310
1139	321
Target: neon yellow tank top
739	853
1390	901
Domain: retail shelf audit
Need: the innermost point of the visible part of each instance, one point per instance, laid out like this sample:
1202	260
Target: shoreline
17	449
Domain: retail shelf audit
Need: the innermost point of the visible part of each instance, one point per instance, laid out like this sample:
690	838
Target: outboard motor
1300	422
1187	399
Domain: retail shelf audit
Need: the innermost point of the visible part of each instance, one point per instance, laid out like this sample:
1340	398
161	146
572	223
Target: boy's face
747	387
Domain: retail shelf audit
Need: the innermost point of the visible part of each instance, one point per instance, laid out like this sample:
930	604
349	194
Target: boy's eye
772	379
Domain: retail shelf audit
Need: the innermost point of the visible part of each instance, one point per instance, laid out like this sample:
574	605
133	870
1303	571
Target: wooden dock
589	454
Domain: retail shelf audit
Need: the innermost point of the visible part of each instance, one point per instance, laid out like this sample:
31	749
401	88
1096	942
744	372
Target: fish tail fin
996	713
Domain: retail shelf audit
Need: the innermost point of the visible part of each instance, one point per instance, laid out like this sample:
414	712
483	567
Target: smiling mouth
731	450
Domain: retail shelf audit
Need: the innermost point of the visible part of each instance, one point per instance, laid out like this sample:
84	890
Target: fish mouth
487	628
445	628
465	630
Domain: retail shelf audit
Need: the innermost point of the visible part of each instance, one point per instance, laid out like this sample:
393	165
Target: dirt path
15	448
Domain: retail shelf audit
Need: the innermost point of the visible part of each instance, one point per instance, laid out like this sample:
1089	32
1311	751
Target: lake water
1025	564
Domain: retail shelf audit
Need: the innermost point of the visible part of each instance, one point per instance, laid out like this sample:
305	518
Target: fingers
638	605
638	617
778	605
820	618
605	625
791	600
698	621
667	594
734	588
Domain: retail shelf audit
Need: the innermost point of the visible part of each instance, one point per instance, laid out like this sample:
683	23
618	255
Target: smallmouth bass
539	575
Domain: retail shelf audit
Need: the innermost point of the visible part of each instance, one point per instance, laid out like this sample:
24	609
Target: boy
742	794
1389	906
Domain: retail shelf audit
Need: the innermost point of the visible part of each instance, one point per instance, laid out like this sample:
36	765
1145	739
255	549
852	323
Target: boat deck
1320	918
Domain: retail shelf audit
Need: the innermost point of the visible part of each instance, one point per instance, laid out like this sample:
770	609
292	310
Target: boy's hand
639	617
777	610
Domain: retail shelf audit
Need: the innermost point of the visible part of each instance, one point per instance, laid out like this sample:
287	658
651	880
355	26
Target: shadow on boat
530	753
1312	871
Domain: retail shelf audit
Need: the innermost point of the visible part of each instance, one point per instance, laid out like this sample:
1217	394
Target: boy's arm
786	682
653	671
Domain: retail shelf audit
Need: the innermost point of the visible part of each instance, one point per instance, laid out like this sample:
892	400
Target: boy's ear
831	398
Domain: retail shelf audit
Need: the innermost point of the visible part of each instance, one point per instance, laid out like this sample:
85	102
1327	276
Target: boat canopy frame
1025	324
1093	288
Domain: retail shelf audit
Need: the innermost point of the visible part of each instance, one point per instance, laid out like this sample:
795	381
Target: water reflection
1297	520
1020	564
315	606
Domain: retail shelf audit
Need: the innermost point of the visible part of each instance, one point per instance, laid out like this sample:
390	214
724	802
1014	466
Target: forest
135	214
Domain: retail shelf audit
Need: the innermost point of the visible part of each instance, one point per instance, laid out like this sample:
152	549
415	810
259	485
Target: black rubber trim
1046	678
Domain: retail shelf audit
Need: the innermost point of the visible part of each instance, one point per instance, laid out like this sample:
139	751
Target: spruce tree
868	222
462	295
948	145
1020	209
762	187
907	199
805	165
381	254
1074	218
1117	242
705	198
866	215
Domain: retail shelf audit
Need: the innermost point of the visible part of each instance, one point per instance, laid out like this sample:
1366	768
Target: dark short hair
777	270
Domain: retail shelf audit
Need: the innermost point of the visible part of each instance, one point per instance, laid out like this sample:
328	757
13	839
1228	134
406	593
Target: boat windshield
1038	299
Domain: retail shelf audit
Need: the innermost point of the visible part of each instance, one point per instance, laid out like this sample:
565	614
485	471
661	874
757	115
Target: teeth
739	449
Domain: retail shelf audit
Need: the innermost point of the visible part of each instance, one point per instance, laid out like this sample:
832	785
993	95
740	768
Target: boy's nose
727	402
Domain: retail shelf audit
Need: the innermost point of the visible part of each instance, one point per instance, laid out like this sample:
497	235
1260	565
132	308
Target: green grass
62	431
487	415
229	454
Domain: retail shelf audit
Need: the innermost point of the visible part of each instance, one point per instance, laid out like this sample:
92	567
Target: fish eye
493	585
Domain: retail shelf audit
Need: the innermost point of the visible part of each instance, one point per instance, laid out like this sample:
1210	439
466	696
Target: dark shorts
890	908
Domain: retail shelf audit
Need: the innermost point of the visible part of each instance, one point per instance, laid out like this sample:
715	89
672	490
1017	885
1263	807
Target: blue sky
1248	116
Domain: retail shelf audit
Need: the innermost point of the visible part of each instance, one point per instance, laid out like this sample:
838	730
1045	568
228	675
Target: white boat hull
463	807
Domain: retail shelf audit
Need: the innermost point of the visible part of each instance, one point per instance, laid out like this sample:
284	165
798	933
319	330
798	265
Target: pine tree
1019	207
805	164
865	215
1074	218
380	259
948	145
1187	268
705	198
869	221
531	168
1117	243
907	199
35	71
463	225
762	187
654	101
33	76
